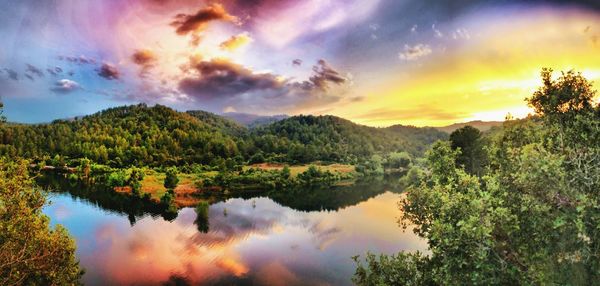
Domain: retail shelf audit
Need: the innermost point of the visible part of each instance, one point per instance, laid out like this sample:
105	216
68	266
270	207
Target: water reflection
241	241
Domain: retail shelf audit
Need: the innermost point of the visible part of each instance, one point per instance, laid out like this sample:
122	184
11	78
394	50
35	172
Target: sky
375	62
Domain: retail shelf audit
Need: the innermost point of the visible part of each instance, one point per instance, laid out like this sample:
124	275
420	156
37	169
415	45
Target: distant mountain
253	120
481	125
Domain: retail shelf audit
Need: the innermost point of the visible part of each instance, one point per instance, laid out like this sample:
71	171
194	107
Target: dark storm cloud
34	70
324	75
185	23
109	72
221	78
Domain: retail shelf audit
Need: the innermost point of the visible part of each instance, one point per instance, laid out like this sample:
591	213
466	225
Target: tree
472	155
570	94
31	253
202	217
85	167
398	160
171	179
135	180
2	118
286	174
530	218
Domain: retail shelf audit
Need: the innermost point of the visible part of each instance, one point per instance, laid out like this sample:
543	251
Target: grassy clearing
295	170
153	182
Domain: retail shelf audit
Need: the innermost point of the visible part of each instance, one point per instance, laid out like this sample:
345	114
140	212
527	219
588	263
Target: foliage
564	97
202	217
218	123
121	137
171	179
158	136
305	139
315	176
2	118
259	179
371	167
117	178
135	180
400	269
31	252
472	157
532	216
398	160
167	198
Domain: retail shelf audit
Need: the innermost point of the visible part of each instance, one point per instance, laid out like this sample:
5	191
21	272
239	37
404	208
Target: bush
117	179
171	179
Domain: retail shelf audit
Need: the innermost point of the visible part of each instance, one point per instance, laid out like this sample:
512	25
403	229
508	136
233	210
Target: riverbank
193	185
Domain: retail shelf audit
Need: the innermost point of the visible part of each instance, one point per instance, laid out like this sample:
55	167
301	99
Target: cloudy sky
376	62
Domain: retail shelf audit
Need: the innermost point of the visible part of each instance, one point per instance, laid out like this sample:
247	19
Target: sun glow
487	77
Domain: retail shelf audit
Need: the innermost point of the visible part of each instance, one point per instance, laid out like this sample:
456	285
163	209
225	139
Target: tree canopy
31	252
530	218
158	136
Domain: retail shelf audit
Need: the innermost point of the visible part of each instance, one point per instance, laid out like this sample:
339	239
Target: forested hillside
220	123
329	138
160	136
131	135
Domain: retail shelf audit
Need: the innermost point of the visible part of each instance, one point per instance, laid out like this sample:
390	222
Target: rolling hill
161	136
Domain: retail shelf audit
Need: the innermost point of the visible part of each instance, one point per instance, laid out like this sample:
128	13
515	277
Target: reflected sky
249	241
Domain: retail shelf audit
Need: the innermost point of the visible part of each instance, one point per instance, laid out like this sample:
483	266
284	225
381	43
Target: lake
284	238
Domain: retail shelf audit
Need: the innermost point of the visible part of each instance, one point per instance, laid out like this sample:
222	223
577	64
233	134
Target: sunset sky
376	62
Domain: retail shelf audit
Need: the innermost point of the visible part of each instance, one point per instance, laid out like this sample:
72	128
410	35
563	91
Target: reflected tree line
306	199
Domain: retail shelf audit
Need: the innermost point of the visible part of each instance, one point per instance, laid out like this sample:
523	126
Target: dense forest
516	206
140	135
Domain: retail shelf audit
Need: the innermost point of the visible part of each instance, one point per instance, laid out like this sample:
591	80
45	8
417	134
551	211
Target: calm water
265	240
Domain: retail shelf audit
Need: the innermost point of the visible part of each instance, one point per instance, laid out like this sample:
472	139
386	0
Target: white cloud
461	34
65	86
437	33
411	53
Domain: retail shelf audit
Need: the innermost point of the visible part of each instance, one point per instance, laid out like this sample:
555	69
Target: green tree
531	218
31	252
2	118
135	180
286	174
117	178
472	156
202	217
398	160
171	179
564	97
85	167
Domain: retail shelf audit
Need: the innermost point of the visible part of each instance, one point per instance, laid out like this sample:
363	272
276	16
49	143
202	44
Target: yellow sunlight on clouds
488	76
